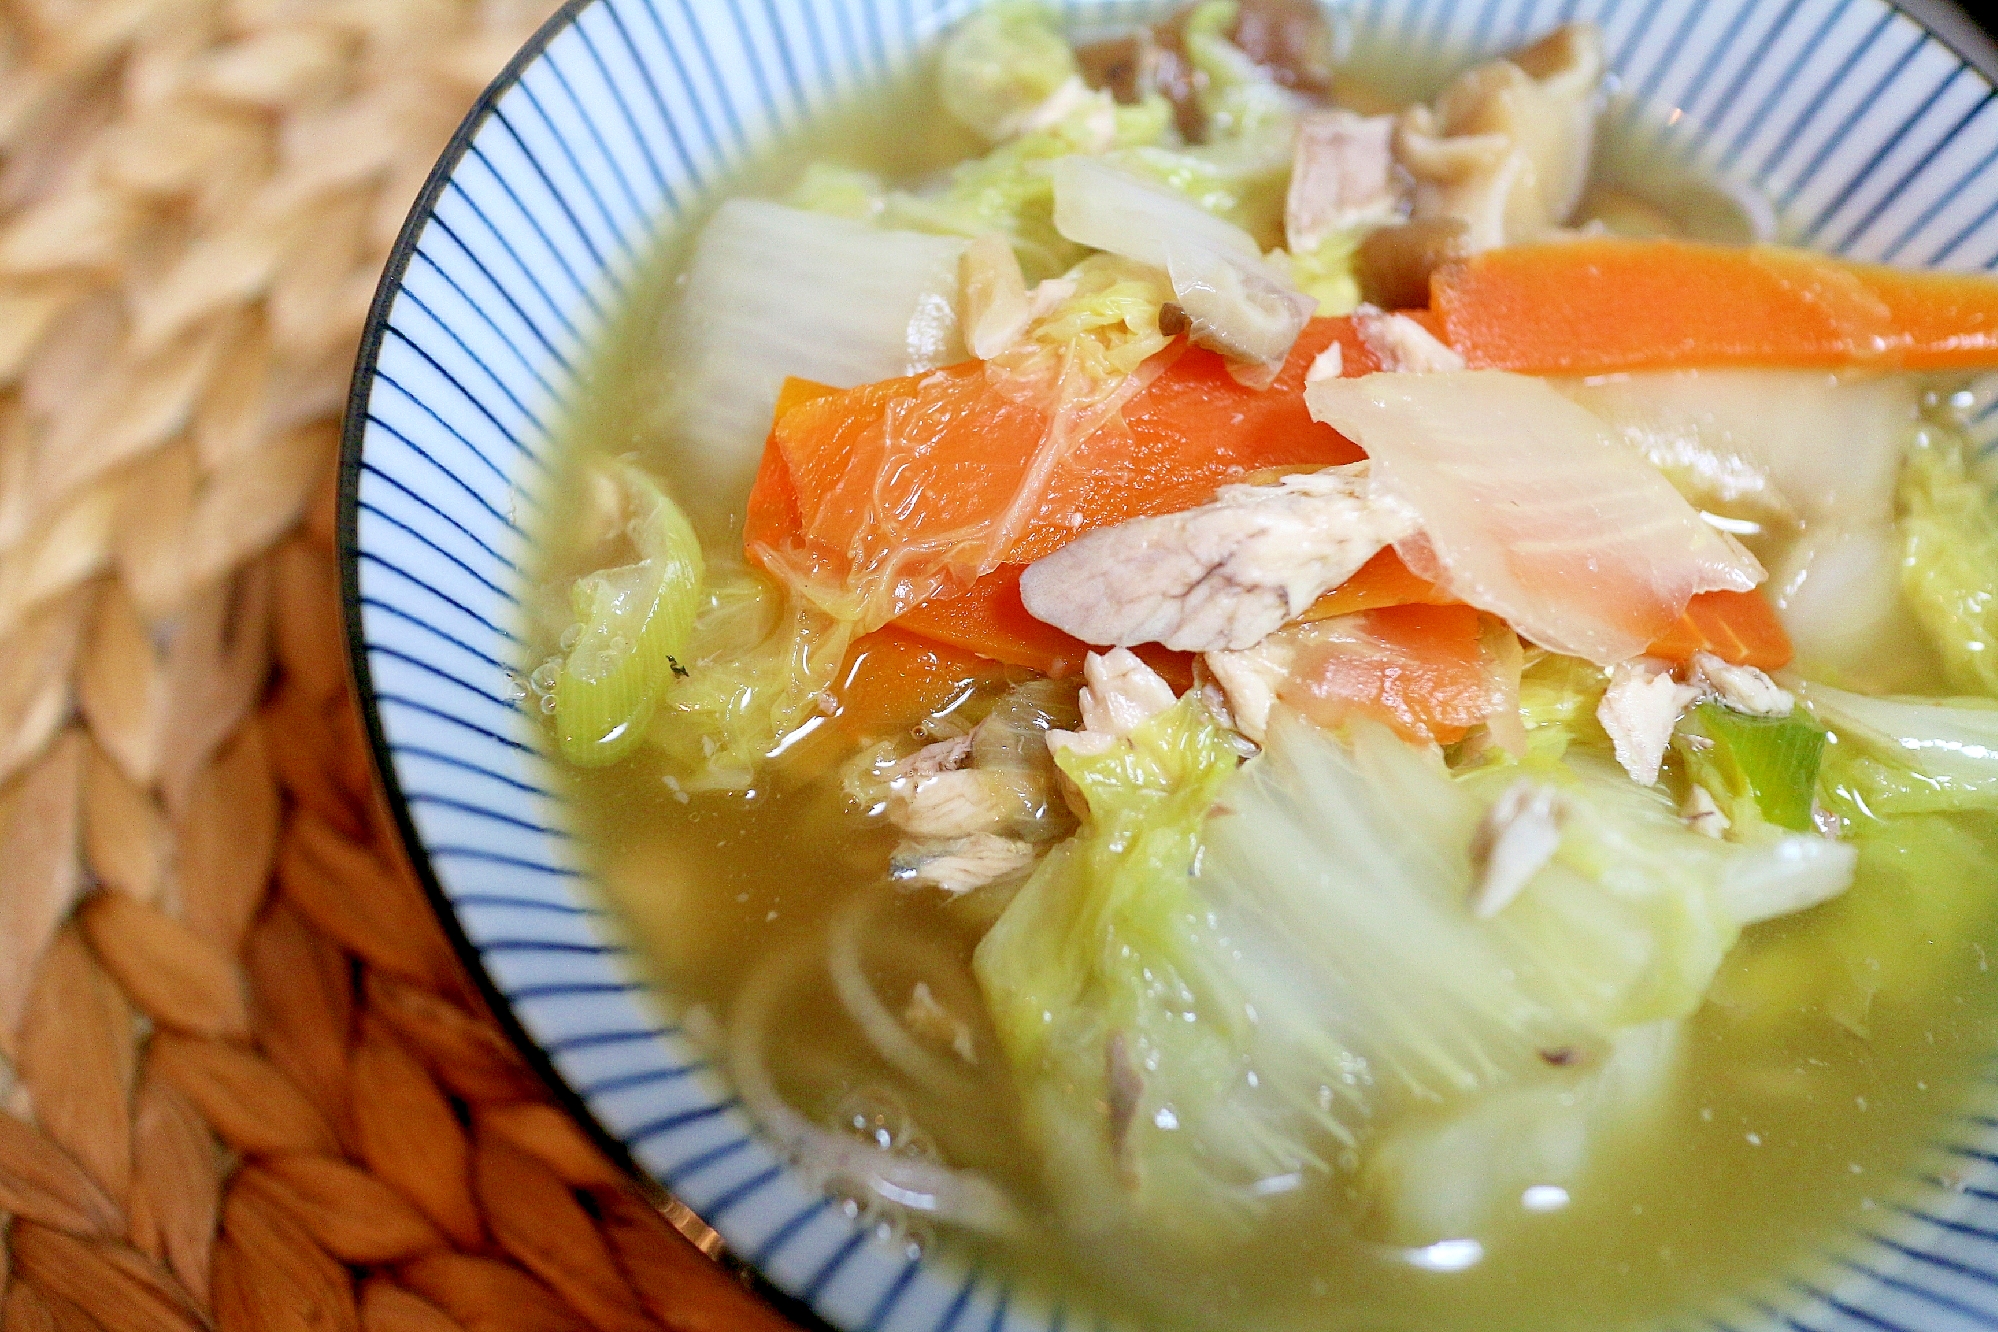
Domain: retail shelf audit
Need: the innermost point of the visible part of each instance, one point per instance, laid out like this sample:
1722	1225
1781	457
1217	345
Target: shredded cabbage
1009	189
1949	563
1241	173
1326	272
1105	330
757	669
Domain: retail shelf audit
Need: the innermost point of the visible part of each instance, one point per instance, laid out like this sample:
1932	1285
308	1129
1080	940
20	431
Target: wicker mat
249	1085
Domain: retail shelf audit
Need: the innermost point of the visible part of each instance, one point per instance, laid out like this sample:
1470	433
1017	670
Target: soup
1220	680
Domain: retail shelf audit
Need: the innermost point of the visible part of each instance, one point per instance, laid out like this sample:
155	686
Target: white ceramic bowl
1871	135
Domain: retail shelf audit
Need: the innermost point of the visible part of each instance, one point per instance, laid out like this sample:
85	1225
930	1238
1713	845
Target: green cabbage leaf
1949	564
1127	1019
757	665
1002	63
1893	756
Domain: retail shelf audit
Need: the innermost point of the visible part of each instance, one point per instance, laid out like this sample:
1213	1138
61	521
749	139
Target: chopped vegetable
1000	65
1010	191
1760	770
1455	1171
1125	1017
1949	561
1738	627
1749	444
1237	96
1383	580
892	680
1558	698
1103	331
1421	669
842	191
1326	272
1239	123
1237	304
960	470
1551	524
1602	305
773	292
1920	901
1342	872
989	619
760	664
1894	756
633	623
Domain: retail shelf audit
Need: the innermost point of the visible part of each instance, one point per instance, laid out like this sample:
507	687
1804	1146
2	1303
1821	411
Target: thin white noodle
889	1036
832	1158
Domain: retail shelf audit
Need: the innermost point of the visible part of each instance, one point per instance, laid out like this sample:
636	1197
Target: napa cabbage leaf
1009	190
1893	756
1949	565
1236	974
1326	272
1920	903
756	668
1238	98
1130	1024
1002	63
1558	698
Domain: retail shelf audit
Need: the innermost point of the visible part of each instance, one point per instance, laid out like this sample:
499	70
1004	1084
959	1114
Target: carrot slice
1737	627
989	618
1603	305
1420	669
1382	581
771	519
893	679
929	464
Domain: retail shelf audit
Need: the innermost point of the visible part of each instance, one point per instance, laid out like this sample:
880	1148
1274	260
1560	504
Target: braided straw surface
246	1083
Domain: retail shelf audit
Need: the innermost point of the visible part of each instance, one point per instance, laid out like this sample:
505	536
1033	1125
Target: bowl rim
389	791
1947	22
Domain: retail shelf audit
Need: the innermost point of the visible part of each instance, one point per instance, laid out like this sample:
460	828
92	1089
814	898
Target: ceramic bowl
1870	134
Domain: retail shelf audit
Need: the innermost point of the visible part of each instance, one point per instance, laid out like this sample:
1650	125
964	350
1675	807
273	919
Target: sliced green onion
634	621
1765	764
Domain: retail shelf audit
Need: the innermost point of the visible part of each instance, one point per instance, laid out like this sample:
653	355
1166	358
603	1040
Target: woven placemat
250	1086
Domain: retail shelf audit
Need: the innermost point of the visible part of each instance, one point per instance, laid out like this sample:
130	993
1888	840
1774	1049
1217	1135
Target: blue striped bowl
1871	136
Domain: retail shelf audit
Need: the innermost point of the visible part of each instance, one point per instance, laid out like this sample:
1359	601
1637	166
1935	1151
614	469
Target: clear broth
1789	1132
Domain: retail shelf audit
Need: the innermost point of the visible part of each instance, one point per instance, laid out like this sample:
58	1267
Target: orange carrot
1737	627
1604	305
893	679
931	462
1382	581
1420	669
989	619
771	518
